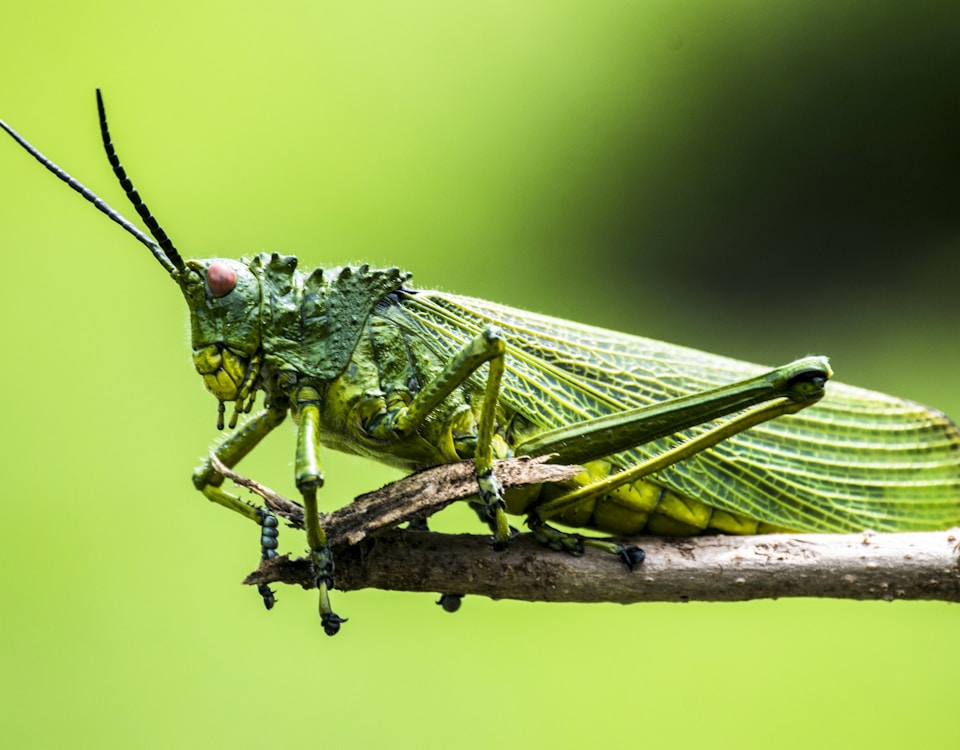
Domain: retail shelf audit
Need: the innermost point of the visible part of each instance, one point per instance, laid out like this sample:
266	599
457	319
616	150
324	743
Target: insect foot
575	544
631	555
561	541
268	550
322	561
450	602
268	535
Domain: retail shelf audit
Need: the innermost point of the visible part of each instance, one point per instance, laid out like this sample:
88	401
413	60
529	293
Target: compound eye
220	280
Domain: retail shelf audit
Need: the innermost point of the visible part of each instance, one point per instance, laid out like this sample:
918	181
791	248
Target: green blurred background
758	179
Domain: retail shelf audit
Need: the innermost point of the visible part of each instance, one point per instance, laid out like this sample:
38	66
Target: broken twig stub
416	496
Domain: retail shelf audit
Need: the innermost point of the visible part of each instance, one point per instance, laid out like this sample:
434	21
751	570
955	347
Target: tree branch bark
370	553
713	568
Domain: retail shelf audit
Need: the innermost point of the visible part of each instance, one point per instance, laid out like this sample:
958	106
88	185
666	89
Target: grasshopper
673	441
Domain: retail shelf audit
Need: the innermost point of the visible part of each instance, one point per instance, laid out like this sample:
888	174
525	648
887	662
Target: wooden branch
710	568
370	553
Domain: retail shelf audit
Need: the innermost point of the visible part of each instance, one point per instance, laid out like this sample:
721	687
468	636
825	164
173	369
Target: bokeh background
763	180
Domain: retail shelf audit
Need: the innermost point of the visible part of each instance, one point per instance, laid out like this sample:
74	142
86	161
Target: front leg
230	451
309	478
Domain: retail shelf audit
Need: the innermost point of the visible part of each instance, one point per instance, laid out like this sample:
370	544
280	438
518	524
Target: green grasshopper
673	441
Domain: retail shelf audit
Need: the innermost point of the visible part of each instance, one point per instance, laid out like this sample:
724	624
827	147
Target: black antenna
155	229
100	204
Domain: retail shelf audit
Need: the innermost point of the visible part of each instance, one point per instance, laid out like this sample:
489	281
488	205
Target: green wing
857	460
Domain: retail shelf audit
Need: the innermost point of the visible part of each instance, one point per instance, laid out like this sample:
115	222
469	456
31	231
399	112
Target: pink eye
220	280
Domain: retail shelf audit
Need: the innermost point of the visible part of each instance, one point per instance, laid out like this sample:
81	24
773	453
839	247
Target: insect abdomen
644	507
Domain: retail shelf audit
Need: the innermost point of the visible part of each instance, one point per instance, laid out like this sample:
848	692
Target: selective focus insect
673	441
